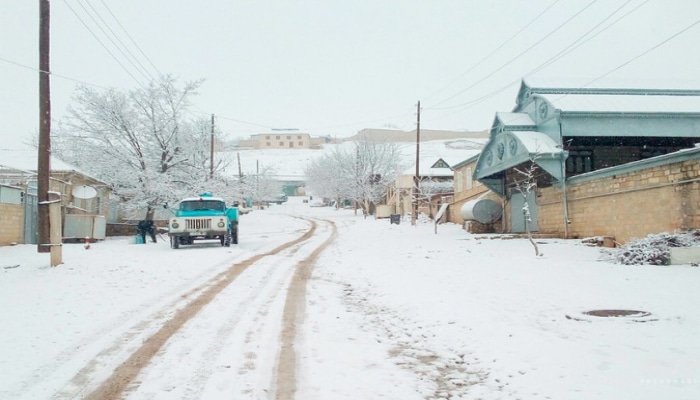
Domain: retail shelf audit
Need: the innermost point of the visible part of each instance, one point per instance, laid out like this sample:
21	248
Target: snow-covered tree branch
142	142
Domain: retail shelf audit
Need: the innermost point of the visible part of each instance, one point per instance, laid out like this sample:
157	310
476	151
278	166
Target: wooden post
416	178
44	154
56	236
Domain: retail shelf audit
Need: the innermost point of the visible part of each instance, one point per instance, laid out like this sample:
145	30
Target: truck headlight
175	225
221	224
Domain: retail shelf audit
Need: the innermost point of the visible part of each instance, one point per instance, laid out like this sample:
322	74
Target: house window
301	143
291	144
458	181
267	137
579	161
277	137
281	144
268	144
468	177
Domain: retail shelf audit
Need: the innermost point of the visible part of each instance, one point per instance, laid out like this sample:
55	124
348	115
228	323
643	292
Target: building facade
592	161
82	215
283	139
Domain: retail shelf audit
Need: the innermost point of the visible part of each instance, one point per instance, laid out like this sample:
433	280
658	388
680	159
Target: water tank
481	210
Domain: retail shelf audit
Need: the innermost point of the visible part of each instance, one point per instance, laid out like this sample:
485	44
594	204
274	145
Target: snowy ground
392	312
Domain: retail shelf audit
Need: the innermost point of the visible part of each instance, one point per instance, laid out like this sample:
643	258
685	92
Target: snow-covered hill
289	164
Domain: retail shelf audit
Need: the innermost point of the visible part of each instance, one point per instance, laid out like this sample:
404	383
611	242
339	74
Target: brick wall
630	205
12	217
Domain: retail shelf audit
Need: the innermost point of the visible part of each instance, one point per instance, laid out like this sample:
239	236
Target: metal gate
31	213
517	215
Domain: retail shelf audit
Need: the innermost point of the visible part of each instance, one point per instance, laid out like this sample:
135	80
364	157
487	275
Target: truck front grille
198	223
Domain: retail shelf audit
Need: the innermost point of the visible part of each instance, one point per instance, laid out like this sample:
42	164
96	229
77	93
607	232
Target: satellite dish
84	192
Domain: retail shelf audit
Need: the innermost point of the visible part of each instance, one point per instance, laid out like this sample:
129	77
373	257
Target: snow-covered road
395	312
215	312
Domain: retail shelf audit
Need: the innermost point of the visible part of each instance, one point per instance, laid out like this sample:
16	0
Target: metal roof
541	84
627	103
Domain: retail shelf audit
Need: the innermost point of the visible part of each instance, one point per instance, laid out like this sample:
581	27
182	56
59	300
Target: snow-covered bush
654	249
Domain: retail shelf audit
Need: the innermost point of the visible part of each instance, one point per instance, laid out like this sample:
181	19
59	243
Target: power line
130	37
517	56
644	53
130	56
580	41
577	43
493	93
102	44
532	21
52	73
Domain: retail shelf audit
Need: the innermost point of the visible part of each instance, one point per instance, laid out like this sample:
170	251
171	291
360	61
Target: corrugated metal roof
624	103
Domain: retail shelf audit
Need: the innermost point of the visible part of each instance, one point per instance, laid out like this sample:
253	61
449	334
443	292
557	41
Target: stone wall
11	228
630	205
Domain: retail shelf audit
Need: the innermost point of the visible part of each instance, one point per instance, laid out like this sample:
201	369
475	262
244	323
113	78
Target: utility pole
416	178
44	155
211	155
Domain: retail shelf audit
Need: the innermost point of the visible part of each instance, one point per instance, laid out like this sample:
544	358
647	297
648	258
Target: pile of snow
654	249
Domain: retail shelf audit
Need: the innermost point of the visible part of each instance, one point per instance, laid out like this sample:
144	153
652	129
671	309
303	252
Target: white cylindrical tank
481	210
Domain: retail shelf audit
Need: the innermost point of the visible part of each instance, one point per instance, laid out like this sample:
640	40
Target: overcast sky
335	67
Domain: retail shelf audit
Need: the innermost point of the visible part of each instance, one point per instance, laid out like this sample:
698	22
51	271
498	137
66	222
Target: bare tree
361	174
429	188
143	142
323	179
526	185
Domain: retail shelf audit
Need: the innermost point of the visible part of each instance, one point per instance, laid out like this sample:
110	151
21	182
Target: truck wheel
174	242
226	240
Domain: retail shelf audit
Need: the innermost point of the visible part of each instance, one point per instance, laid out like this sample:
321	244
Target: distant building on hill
292	139
283	139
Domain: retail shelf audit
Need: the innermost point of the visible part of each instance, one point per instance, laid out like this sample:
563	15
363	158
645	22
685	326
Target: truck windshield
202	205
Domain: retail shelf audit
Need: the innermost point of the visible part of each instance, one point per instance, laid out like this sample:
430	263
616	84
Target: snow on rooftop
611	83
624	103
537	142
26	160
509	118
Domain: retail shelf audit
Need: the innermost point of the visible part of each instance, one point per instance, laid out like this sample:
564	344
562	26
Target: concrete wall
630	205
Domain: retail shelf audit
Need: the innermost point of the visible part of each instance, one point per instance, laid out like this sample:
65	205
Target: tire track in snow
123	378
285	386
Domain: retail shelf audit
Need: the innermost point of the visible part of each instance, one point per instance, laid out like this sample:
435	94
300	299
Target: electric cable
519	55
503	44
102	44
130	37
130	56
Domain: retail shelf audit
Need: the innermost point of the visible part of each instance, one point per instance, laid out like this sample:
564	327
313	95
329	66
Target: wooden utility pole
211	154
44	155
416	178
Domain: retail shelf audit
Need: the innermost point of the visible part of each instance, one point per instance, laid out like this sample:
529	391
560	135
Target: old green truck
204	217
